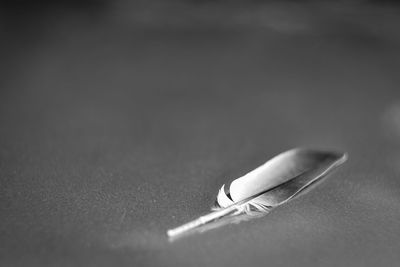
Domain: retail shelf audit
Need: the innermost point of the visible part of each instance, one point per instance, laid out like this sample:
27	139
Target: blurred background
122	119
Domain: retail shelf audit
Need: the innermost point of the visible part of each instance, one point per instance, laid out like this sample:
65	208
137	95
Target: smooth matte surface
118	122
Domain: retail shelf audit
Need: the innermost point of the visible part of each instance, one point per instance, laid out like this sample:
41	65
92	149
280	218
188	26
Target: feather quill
268	186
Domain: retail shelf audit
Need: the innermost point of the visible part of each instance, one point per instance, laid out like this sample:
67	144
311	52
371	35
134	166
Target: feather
268	186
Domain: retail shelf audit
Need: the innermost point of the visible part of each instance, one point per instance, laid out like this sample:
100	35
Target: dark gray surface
118	122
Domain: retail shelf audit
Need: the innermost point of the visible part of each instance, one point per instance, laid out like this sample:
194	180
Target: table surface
119	121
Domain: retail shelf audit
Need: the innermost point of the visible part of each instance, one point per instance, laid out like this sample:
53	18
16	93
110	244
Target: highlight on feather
268	186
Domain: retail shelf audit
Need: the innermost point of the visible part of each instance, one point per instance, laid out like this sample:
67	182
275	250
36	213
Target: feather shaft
203	220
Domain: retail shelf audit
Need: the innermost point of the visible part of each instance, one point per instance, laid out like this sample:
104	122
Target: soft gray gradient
119	121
